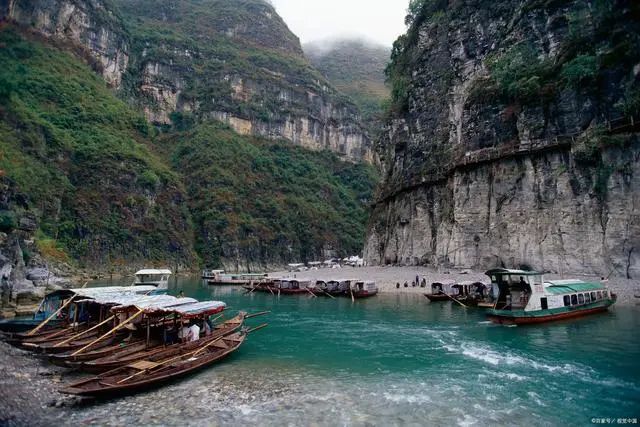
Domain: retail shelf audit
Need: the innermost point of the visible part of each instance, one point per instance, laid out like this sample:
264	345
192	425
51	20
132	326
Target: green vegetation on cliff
206	46
266	201
105	188
79	157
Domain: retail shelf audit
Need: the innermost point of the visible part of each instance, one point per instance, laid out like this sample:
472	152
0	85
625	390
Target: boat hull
521	317
111	384
437	297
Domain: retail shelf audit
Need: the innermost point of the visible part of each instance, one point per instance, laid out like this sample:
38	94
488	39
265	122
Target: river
396	360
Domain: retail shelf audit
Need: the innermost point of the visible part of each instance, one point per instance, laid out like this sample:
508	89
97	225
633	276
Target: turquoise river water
396	360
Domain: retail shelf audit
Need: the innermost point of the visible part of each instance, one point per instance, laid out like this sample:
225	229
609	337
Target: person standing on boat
185	332
194	332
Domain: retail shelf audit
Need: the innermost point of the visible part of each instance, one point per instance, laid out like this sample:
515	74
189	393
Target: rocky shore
28	385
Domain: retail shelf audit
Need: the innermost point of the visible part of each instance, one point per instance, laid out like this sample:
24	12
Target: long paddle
37	328
328	294
449	296
120	326
84	332
352	297
312	294
262	313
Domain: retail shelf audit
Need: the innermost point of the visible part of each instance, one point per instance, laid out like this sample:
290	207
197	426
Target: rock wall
517	143
88	24
244	68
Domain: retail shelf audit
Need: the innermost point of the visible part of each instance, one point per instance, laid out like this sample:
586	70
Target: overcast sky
379	20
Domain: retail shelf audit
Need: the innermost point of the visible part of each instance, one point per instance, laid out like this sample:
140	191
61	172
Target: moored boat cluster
130	338
353	288
523	297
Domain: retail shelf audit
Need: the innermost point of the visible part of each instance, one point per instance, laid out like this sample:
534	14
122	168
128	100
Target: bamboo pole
312	294
264	325
353	299
37	328
449	296
84	332
328	294
262	313
121	325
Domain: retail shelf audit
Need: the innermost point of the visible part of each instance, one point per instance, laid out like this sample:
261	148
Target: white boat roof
563	282
153	271
295	265
106	292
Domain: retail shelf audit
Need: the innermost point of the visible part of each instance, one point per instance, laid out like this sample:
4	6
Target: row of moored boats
130	338
353	288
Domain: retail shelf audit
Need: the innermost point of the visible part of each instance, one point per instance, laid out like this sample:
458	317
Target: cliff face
235	61
514	140
86	24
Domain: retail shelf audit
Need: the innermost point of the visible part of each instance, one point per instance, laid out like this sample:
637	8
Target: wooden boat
363	289
280	286
145	374
243	279
16	327
133	353
67	359
60	346
440	291
523	297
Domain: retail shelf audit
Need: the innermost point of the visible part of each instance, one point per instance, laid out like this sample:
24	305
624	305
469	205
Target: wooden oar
84	332
328	294
353	299
262	313
120	326
83	286
271	290
449	296
312	294
37	328
264	325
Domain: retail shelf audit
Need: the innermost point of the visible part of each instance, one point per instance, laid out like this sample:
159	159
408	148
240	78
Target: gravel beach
387	277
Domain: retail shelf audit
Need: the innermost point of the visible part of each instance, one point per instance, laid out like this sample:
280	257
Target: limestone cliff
514	138
184	61
89	25
235	61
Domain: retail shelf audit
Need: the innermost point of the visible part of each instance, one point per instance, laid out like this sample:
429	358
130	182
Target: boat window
599	295
593	296
587	297
567	300
580	299
574	300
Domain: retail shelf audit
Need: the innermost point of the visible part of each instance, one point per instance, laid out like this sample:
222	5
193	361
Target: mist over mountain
355	66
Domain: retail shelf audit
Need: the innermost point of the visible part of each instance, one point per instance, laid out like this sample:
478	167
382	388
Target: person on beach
417	280
424	283
406	285
413	284
398	285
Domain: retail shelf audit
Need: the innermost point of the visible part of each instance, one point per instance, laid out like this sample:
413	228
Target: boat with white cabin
153	277
524	297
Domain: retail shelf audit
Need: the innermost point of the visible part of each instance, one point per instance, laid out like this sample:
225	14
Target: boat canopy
152	304
103	293
506	271
151	271
561	287
199	309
